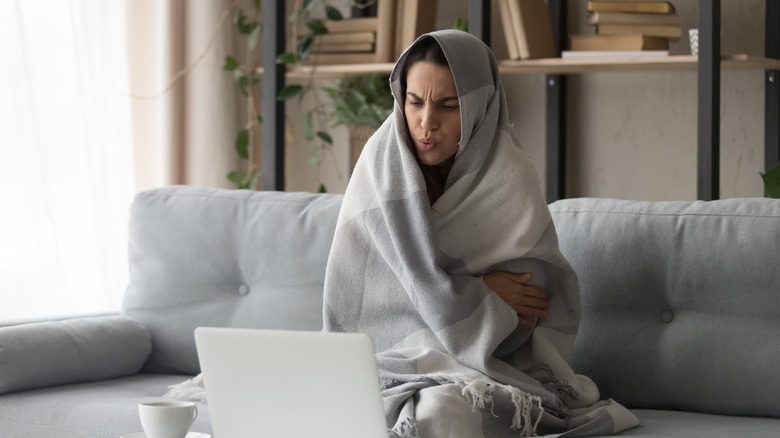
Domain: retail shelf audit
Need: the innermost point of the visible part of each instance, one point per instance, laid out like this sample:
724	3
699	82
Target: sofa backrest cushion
225	258
680	301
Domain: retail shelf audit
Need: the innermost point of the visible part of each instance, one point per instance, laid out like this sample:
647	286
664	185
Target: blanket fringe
407	428
189	390
544	375
480	392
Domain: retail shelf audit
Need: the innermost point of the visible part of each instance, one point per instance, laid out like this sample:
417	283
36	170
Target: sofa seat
105	409
657	423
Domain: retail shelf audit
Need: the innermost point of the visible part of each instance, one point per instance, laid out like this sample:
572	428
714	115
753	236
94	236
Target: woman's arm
527	300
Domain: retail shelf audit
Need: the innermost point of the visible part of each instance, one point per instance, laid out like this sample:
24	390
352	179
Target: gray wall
630	135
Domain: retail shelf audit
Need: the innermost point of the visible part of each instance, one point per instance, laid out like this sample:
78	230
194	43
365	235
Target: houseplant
249	25
772	181
361	103
247	79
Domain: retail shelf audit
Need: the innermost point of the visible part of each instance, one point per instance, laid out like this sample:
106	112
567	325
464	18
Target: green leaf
254	36
286	58
237	177
309	4
316	26
308	126
322	189
243	27
289	92
325	137
242	83
333	13
230	63
460	24
260	119
314	156
772	181
242	144
257	5
304	46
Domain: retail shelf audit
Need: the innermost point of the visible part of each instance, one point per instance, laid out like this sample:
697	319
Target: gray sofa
681	309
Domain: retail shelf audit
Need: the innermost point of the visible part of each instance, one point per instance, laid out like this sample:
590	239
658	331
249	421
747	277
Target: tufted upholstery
681	307
681	301
210	257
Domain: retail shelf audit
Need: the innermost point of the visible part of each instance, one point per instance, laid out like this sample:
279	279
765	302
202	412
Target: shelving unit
708	65
565	65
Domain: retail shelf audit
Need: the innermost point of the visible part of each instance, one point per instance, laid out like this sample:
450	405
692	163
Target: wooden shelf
338	71
564	65
633	64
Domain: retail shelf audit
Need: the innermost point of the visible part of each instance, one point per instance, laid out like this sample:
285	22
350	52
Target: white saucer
189	435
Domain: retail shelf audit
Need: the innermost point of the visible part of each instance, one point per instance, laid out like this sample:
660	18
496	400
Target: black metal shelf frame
708	123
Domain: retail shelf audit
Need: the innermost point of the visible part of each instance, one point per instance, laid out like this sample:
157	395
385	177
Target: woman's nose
428	121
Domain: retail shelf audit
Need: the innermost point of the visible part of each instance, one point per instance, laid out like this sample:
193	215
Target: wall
630	135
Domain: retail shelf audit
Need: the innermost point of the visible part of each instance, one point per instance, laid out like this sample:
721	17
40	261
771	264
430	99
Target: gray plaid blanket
453	361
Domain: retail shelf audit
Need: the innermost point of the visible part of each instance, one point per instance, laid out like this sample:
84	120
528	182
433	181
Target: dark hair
427	50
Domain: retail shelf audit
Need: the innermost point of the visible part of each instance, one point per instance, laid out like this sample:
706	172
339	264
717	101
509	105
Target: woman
445	254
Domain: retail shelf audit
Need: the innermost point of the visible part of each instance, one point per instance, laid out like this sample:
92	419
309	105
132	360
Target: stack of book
375	39
348	41
527	29
640	27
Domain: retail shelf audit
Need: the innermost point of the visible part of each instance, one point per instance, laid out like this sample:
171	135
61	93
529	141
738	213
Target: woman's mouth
426	144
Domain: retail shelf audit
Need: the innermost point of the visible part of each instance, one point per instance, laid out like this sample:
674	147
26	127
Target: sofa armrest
77	350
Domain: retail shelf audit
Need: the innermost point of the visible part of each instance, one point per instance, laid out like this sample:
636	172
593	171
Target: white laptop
276	384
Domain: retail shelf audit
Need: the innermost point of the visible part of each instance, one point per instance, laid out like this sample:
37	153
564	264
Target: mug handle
194	412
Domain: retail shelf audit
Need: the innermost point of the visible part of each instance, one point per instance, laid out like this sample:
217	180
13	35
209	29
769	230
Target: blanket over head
453	360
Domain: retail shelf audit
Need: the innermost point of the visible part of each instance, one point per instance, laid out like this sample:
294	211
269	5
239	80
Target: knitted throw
453	361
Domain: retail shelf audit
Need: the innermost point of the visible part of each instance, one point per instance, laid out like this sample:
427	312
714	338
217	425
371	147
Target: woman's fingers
525	299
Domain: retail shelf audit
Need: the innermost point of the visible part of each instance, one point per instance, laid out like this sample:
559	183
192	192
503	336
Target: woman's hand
527	300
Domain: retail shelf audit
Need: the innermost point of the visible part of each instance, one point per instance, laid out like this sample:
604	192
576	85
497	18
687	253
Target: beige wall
630	135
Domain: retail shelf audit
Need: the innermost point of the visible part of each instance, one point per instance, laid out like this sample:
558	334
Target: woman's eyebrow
442	100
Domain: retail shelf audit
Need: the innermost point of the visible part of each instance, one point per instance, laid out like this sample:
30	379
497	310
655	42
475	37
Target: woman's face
432	112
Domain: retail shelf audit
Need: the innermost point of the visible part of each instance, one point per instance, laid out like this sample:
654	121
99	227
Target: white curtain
66	161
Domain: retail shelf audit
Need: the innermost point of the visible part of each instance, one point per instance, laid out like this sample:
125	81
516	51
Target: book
343	47
340	58
351	24
509	29
621	53
673	32
533	31
630	6
347	37
598	18
618	42
385	31
413	18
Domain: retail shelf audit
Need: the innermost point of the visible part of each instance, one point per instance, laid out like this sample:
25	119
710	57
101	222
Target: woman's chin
429	160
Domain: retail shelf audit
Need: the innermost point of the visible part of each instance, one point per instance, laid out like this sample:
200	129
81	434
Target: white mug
169	419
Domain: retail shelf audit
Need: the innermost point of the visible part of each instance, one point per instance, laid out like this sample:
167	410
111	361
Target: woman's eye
415	103
451	107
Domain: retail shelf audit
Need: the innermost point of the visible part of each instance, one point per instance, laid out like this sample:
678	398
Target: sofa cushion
105	409
680	301
666	424
225	258
75	350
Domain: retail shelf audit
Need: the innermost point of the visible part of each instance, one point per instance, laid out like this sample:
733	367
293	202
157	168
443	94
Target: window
66	168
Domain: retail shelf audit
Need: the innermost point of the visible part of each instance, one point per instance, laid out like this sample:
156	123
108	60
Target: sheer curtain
66	161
